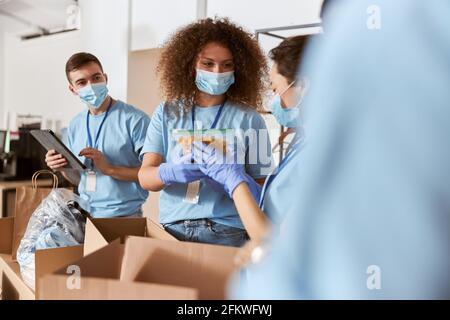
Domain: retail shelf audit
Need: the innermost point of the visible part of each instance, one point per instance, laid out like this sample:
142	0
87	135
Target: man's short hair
80	59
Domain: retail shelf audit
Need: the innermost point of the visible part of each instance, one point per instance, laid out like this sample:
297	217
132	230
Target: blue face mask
214	83
94	95
288	117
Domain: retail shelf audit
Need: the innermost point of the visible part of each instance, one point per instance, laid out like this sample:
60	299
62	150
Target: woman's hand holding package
223	169
180	170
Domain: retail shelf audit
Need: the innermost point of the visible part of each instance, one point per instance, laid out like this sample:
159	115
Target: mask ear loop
289	86
304	86
304	90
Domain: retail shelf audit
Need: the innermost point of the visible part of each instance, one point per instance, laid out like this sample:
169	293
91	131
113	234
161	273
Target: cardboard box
100	279
11	285
6	234
99	232
169	269
46	261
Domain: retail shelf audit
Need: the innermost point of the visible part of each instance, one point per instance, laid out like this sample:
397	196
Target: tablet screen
49	141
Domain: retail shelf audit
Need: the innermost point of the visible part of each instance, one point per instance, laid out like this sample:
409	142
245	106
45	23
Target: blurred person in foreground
371	215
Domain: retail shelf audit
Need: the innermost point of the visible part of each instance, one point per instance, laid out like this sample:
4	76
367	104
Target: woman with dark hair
259	215
287	85
212	74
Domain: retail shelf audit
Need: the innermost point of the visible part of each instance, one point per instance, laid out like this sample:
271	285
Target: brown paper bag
27	201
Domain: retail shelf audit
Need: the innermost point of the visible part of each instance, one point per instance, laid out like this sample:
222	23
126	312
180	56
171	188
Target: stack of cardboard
121	258
145	268
99	232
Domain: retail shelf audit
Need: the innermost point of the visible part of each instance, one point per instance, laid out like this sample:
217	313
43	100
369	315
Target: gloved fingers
213	155
237	153
202	147
203	169
182	159
202	152
199	157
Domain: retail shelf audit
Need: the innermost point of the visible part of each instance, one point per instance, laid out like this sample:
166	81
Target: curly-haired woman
212	75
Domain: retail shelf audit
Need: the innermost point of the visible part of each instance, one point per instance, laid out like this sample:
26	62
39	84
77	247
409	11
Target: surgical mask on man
288	117
93	94
214	83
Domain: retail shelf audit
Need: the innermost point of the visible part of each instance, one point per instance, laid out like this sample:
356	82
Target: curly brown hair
176	67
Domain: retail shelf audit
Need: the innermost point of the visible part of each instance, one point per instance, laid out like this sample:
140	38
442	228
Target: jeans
207	231
135	215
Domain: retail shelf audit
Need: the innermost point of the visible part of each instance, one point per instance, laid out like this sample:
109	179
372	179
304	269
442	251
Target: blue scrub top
213	205
273	204
121	140
369	214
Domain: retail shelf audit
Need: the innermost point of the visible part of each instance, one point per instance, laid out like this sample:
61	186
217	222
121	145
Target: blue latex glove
215	185
181	170
223	169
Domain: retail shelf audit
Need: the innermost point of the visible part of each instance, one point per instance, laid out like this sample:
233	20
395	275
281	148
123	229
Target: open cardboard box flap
99	232
100	279
200	268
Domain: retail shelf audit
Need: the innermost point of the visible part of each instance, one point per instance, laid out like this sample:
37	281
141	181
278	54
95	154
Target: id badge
91	181
192	192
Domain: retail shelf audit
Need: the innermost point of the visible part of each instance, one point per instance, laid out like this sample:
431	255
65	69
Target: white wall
34	76
105	33
2	72
35	68
257	14
6	25
153	21
262	14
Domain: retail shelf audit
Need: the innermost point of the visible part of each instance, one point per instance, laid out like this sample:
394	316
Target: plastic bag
59	221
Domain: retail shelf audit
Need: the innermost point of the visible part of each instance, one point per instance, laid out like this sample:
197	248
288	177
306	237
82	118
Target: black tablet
49	141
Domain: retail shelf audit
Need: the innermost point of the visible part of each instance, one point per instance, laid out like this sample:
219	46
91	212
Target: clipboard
49	141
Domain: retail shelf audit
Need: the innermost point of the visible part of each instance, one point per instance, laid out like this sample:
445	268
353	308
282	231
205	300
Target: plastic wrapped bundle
59	221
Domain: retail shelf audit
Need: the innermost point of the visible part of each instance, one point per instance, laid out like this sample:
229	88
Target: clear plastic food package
216	137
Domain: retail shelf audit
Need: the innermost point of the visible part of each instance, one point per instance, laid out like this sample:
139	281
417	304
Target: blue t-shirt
213	205
274	202
121	139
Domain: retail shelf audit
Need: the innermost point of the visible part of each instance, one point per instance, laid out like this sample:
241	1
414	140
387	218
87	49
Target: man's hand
55	160
99	160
